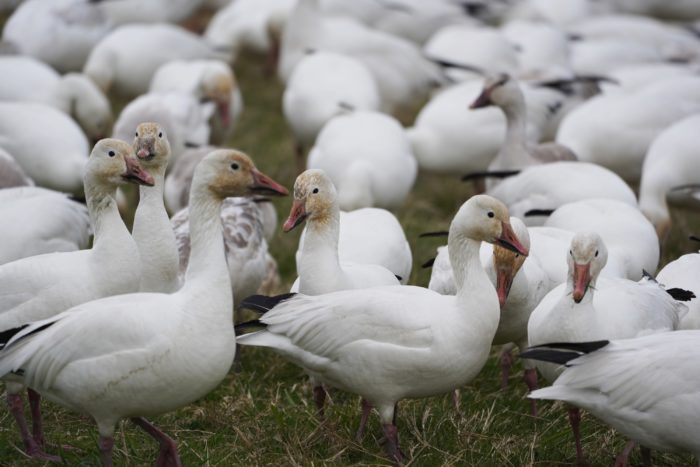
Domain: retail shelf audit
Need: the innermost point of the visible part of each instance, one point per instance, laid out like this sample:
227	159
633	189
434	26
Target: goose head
216	86
587	257
151	146
227	172
507	262
315	198
484	218
500	90
112	162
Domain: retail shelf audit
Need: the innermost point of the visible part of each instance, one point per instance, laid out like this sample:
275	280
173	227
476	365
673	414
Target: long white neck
516	124
319	265
207	285
155	239
111	235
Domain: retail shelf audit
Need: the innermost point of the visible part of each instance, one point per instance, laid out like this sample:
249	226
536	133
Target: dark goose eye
491	214
111	153
235	166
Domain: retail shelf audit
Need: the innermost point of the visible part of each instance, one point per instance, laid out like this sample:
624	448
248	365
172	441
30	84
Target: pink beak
582	278
297	215
509	240
135	173
484	100
266	185
223	108
504	281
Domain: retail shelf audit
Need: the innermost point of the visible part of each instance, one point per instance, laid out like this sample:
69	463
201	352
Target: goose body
125	60
28	80
39	221
55	160
60	33
370	341
165	350
681	273
551	185
148	11
11	173
368	157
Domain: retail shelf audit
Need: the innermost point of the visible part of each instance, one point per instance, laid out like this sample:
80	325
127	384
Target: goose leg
366	409
646	456
301	160
622	459
14	402
37	425
168	456
530	378
106	444
575	421
391	433
319	399
456	400
506	363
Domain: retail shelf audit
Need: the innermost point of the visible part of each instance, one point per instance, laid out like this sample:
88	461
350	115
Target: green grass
263	415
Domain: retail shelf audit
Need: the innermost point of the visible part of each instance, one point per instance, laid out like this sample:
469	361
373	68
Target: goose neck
469	275
319	255
516	121
106	222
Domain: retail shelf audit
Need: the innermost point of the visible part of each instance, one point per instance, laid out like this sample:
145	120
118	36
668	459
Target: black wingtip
8	334
460	66
489	174
249	326
648	276
399	278
437	233
562	352
539	212
681	295
428	264
263	303
694	238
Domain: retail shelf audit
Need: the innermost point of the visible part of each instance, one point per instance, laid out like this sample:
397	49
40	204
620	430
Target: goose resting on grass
142	354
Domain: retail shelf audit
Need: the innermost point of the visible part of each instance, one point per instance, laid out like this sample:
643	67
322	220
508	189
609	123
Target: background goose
682	273
207	81
37	221
42	286
368	157
56	159
587	308
11	174
370	341
125	60
165	350
26	79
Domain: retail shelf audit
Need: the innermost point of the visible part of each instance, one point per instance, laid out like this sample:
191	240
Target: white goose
384	343
27	79
671	173
164	351
638	386
11	173
368	157
37	221
151	230
683	273
56	159
42	286
125	60
207	81
548	186
587	308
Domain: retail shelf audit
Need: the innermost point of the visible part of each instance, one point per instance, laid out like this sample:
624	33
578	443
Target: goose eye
235	166
596	253
136	134
160	135
111	153
491	214
315	190
571	252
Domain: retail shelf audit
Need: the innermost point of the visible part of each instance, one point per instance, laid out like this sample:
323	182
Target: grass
263	415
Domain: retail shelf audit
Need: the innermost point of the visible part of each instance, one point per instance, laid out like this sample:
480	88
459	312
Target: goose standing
164	350
27	79
152	231
385	343
56	159
638	386
588	308
40	287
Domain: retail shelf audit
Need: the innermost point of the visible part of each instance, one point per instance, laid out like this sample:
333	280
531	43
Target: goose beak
484	100
509	240
504	280
135	173
262	184
297	215
224	114
582	279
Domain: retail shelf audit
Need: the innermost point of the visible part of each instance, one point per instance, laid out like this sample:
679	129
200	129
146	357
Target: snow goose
148	11
402	74
126	59
165	350
11	174
182	117
42	286
588	308
384	343
671	173
549	186
179	178
372	236
683	273
208	81
504	92
368	157
323	85
638	386
632	78
55	159
616	131
632	244
60	33
151	230
27	79
37	221
542	49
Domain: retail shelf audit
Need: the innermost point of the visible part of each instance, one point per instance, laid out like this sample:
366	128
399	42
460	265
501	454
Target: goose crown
151	145
480	218
217	83
317	191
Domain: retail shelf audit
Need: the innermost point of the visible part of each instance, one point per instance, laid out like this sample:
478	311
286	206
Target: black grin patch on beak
507	246
300	220
263	190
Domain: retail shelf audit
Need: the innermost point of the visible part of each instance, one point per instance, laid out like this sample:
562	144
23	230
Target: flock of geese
576	121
